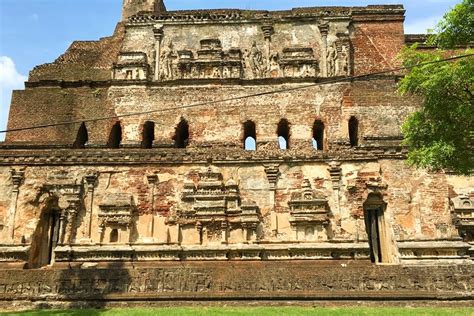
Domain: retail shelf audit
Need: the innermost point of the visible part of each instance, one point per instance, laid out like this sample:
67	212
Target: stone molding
130	156
374	12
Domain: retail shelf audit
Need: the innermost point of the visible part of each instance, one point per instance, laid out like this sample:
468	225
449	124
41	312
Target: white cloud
421	26
10	80
34	17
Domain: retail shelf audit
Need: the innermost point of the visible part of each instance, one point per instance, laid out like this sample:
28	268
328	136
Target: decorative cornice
377	12
160	156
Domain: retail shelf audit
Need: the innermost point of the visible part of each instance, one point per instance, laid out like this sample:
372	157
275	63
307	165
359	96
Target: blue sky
33	32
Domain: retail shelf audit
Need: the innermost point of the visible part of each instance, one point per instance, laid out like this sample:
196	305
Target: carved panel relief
212	212
309	211
116	216
462	209
131	66
253	58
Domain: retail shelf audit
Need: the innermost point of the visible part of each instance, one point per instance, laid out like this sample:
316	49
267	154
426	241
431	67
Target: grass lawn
259	311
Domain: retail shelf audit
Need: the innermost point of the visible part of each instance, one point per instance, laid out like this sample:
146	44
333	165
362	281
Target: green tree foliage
441	134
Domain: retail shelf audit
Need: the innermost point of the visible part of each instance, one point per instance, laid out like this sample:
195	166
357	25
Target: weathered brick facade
177	183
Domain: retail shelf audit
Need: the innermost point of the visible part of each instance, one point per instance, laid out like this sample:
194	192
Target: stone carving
462	209
255	61
309	212
210	62
90	181
212	281
158	34
117	212
299	62
131	66
212	212
70	197
167	62
17	177
338	56
336	174
273	173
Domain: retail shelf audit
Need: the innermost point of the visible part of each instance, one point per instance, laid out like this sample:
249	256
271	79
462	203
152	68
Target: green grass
258	311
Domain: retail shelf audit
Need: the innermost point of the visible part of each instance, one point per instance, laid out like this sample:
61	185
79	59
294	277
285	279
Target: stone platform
235	281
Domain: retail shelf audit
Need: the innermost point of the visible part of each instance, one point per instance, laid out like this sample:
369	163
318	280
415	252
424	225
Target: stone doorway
374	209
45	239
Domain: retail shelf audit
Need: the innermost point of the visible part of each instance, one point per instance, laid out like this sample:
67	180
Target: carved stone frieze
338	56
299	62
215	211
131	66
462	210
117	212
309	211
209	62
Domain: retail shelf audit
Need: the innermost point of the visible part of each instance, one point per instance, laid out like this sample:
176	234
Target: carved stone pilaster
268	31
273	173
90	181
17	177
70	216
152	180
324	30
336	173
158	34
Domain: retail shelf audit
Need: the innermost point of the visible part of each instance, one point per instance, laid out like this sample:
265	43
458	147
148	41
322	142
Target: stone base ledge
138	253
433	251
14	253
241	280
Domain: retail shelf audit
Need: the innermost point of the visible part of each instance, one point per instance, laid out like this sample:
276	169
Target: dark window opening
250	136
283	132
82	137
115	137
181	136
318	135
148	136
114	236
354	132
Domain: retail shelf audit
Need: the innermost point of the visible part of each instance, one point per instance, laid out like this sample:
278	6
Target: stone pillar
89	202
336	174
158	32
267	33
152	180
70	215
273	172
324	29
17	177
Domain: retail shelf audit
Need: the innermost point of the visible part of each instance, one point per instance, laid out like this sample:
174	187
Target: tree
441	134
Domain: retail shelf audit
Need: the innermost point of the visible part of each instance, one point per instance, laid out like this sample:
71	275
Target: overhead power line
337	80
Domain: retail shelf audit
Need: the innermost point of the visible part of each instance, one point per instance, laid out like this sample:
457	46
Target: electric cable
325	82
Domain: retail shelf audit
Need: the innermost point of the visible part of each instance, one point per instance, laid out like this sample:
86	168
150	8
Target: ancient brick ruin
311	176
